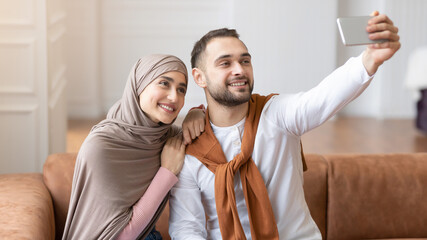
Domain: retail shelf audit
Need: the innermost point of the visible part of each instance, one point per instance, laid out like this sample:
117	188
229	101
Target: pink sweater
146	207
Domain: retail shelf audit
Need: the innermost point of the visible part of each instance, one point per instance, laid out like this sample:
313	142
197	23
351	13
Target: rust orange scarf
208	150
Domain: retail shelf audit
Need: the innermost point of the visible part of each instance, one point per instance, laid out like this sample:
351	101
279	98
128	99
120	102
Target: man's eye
246	61
224	64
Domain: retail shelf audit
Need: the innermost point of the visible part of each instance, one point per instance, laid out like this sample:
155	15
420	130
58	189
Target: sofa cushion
315	189
25	203
377	196
58	173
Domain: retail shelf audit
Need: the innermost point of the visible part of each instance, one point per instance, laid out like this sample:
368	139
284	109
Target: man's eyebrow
228	56
222	57
169	79
246	55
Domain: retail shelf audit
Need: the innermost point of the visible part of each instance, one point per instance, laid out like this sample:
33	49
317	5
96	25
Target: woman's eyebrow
169	79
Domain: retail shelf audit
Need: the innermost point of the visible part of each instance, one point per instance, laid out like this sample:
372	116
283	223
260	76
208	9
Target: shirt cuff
364	72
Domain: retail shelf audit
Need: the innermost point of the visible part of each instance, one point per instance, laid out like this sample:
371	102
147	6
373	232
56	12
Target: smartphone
353	31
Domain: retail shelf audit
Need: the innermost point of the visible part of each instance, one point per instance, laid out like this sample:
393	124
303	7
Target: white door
32	84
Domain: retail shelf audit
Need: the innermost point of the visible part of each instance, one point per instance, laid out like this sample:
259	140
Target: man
243	177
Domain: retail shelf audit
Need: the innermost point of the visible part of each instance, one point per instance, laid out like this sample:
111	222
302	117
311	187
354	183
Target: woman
129	161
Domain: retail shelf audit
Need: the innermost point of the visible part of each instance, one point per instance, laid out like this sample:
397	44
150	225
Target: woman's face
163	98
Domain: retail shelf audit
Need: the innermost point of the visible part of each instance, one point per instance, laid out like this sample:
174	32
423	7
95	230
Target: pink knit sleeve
147	206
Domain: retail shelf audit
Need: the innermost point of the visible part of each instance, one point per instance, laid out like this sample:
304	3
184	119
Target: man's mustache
238	78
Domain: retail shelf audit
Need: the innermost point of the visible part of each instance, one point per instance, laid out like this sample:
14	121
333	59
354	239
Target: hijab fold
119	158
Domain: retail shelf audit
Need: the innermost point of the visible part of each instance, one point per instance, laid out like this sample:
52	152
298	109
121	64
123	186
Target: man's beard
226	98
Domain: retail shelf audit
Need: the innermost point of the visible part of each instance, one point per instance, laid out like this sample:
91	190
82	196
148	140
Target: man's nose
237	69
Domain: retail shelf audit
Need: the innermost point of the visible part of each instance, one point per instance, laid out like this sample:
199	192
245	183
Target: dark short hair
200	46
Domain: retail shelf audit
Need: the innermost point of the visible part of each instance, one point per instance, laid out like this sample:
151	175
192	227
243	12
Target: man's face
228	71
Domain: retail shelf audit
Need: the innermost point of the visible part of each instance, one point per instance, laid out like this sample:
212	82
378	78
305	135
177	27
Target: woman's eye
182	90
164	83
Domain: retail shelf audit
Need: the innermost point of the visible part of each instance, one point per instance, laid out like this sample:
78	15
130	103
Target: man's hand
380	27
193	125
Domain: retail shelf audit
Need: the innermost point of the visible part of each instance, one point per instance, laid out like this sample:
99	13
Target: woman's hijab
119	158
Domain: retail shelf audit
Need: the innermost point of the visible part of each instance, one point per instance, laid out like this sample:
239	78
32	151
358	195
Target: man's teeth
238	84
166	107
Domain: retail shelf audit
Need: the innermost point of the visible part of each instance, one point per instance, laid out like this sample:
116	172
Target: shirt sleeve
146	207
187	219
301	112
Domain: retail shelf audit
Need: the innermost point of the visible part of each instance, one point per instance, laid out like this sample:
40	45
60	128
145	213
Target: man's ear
199	77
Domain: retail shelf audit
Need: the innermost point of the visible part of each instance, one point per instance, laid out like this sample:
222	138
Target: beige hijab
119	158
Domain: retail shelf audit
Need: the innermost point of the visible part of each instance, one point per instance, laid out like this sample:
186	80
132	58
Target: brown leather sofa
374	196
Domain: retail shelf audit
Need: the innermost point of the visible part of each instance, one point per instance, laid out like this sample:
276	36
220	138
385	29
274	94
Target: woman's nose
172	95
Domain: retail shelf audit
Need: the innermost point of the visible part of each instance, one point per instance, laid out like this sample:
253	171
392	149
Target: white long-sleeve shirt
276	153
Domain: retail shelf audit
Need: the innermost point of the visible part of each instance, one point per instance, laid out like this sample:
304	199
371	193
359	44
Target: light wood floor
340	135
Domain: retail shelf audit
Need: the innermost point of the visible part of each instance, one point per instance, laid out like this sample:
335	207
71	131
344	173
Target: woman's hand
172	157
193	124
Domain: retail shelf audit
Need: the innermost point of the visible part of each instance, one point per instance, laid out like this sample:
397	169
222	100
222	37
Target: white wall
93	44
131	29
83	55
294	45
387	97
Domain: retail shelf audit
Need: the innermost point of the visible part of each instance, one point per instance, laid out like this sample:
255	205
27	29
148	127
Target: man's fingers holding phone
378	18
381	27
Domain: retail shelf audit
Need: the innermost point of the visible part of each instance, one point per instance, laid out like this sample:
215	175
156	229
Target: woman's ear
199	77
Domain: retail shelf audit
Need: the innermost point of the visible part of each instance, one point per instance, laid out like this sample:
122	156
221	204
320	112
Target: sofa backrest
315	189
377	196
349	196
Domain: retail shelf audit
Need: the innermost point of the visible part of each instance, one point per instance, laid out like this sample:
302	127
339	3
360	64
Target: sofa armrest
26	209
58	171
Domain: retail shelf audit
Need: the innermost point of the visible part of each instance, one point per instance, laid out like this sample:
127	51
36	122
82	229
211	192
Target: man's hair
200	46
